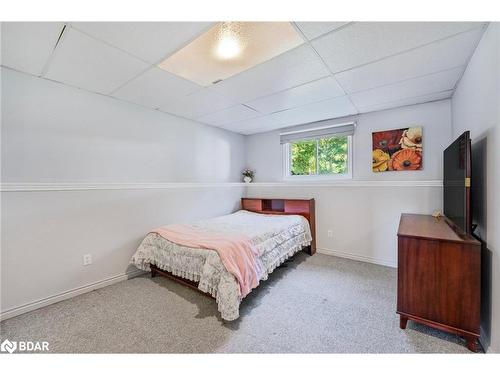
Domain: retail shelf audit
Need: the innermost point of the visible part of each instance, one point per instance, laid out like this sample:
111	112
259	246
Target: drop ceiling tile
197	104
255	125
155	88
150	41
202	61
331	108
428	84
364	42
445	54
229	116
409	101
314	29
287	70
85	62
311	92
27	46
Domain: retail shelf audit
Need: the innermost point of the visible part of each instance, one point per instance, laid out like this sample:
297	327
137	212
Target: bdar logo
8	346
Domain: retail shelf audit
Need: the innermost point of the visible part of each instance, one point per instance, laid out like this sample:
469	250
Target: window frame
287	162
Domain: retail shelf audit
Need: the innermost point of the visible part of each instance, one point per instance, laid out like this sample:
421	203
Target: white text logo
8	346
24	346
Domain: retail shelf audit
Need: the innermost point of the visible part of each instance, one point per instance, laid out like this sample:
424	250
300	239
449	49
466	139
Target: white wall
476	107
363	219
264	152
45	234
56	134
363	214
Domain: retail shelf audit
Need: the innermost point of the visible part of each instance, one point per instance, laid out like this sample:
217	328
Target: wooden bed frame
303	207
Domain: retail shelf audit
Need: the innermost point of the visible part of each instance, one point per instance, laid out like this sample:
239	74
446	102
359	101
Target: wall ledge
64	186
350	183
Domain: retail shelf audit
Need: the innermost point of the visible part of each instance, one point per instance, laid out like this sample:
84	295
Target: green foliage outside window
319	156
303	158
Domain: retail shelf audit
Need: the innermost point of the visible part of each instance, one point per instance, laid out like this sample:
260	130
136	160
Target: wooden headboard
303	207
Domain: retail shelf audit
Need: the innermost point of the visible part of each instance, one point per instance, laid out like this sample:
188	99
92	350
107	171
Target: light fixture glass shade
229	48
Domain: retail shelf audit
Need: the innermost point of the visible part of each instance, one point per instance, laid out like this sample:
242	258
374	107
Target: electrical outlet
87	259
330	233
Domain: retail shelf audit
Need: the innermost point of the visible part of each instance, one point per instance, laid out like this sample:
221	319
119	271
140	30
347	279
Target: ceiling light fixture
229	40
228	47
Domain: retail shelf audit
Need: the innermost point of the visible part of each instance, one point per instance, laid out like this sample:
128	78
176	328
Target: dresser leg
402	322
472	344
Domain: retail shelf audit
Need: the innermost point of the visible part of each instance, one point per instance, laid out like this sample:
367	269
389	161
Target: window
308	155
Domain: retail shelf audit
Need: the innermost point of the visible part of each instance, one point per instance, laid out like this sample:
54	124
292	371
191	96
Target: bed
275	229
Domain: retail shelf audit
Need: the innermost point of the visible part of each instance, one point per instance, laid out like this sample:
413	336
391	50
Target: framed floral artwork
397	150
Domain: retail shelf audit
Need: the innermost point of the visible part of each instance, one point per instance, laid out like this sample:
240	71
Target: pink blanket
236	251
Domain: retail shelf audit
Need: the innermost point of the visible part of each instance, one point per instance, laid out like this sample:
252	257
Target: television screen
457	165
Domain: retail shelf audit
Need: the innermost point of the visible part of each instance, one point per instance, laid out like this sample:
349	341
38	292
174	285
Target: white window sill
316	178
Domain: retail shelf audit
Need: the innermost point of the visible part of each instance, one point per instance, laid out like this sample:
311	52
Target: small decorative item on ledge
437	214
248	175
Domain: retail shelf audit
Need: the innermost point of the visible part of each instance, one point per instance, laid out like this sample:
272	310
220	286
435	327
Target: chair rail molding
63	186
350	183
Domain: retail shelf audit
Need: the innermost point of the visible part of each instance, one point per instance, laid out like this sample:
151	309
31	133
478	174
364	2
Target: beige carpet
318	304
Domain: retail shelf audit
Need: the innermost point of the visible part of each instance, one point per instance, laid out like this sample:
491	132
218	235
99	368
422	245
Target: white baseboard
68	294
362	258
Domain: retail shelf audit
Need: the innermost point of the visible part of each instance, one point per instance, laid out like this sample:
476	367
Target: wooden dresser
439	276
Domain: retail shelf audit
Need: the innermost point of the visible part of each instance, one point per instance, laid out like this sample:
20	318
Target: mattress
276	238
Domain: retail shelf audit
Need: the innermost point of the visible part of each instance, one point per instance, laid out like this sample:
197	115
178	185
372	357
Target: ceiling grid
340	69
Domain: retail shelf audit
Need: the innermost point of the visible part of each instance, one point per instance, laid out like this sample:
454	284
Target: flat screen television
457	173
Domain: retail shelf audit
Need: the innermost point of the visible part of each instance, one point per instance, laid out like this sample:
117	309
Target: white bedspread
276	237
